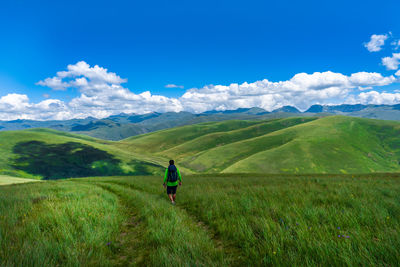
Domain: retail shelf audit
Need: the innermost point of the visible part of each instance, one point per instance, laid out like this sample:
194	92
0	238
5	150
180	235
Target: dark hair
171	162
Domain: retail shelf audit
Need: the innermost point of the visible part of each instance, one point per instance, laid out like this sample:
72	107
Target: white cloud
82	76
300	91
17	106
396	44
397	73
370	79
376	42
378	98
174	86
95	74
55	83
102	95
13	102
393	62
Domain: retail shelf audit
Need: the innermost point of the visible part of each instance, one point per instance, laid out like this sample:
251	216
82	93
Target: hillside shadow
144	168
72	159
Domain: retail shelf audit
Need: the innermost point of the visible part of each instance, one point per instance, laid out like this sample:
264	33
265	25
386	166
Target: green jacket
172	183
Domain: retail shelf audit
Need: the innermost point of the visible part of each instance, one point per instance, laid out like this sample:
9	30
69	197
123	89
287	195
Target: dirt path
131	243
128	248
196	220
5	180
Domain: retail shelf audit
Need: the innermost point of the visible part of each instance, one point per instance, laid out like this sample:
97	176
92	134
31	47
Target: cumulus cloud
13	102
174	86
102	94
55	83
378	98
393	62
84	77
370	79
96	74
397	73
17	106
300	91
376	42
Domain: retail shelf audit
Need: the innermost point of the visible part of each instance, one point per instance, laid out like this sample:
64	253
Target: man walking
172	175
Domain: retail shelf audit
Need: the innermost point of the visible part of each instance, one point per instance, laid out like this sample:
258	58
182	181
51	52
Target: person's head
171	162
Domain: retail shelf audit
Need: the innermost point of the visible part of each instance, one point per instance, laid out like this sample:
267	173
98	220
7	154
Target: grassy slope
188	142
330	145
165	139
114	131
220	157
294	145
334	144
8	139
217	139
285	220
124	150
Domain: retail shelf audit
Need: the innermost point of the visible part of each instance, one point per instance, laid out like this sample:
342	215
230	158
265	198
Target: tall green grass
292	220
219	220
170	237
53	224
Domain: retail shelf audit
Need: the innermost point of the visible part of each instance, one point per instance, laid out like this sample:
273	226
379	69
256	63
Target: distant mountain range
121	126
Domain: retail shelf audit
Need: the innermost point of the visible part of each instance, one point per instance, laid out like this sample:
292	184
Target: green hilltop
50	154
335	144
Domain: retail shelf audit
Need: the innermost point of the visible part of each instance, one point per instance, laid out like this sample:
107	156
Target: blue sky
192	44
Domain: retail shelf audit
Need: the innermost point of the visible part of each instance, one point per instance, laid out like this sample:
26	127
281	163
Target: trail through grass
171	237
219	220
304	220
5	179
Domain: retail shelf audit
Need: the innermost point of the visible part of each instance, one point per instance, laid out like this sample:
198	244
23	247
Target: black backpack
172	173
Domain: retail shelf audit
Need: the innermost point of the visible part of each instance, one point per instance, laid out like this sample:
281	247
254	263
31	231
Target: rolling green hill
165	139
335	144
51	154
121	126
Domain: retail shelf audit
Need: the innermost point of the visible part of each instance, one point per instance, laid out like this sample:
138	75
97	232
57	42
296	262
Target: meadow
335	144
219	220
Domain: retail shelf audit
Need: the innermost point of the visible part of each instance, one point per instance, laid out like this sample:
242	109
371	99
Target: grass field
335	144
51	152
219	220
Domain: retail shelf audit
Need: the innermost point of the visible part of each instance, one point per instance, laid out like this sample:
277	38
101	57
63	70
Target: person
171	179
